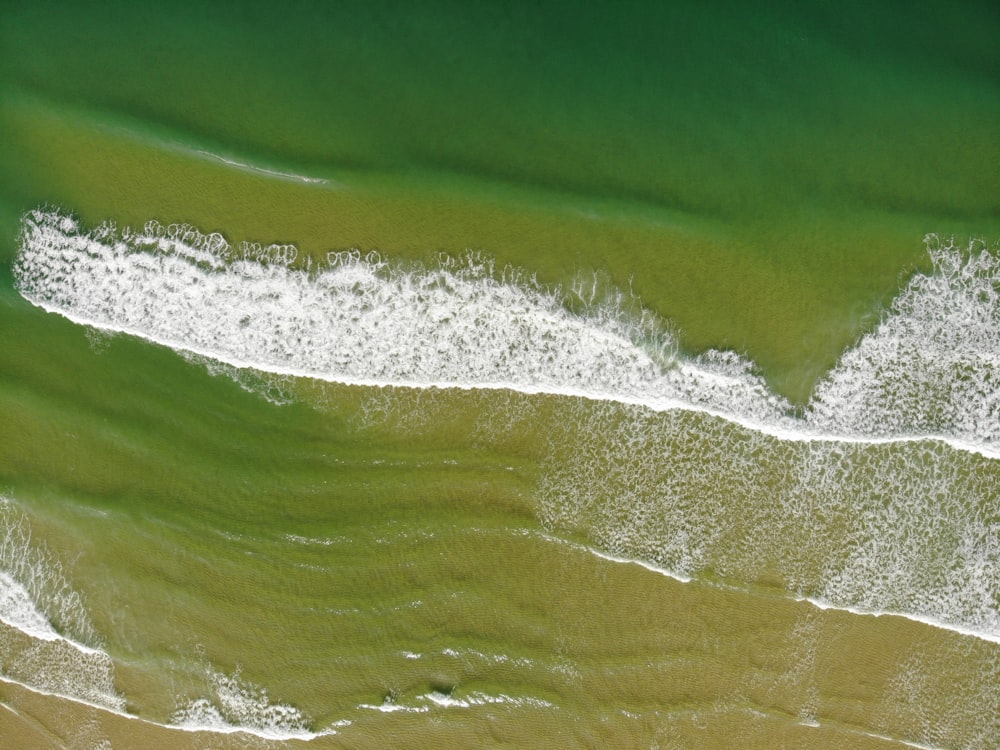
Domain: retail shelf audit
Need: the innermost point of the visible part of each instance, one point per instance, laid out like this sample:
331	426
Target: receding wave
931	368
43	623
46	638
906	528
933	364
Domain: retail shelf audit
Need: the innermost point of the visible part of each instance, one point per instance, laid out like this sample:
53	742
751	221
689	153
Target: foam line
228	729
873	735
429	700
934	623
261	170
804	434
818	603
629	561
931	371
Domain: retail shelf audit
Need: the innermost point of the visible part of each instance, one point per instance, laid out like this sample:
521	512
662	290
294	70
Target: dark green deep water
759	180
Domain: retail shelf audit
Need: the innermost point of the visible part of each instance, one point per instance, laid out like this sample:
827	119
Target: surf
835	497
49	661
929	371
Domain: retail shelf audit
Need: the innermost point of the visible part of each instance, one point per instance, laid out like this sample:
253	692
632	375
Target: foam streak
818	603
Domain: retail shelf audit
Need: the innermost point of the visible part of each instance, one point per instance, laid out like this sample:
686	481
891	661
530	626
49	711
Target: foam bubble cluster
18	610
909	528
845	502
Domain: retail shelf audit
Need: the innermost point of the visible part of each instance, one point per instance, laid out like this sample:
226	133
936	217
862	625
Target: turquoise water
610	376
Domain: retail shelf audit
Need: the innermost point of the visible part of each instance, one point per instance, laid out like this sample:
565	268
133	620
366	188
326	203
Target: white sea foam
34	591
424	703
213	721
643	564
966	701
472	655
35	598
359	320
933	364
816	602
910	529
236	705
34	654
19	611
477	698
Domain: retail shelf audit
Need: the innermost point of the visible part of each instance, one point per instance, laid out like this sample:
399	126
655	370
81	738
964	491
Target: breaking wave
933	364
236	705
929	369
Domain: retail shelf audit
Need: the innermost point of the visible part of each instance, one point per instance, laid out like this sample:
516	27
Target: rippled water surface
615	376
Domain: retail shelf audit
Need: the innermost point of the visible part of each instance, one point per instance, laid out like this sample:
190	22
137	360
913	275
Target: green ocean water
424	565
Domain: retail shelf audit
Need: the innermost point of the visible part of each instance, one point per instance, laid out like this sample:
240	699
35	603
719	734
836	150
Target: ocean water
613	376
